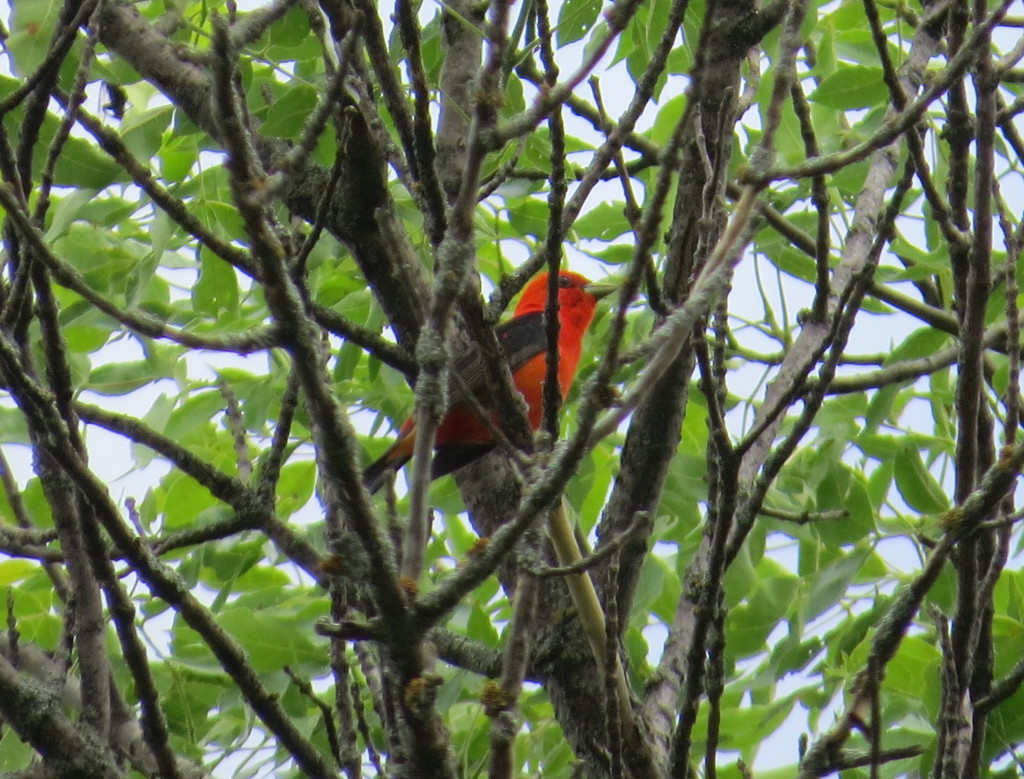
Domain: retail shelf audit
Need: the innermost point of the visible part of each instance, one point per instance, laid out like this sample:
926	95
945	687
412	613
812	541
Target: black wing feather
522	338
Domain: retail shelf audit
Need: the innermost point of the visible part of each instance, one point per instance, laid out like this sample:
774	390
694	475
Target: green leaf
529	217
650	583
36	504
85	339
590	492
1005	722
227	562
909	672
479	627
789	138
13	427
921	491
791	654
273	641
1008	637
177	155
263	581
852	86
750	623
295	487
880	407
750	725
604	222
923	342
781	251
575	19
32	25
616	254
831	582
287	114
142	131
185	499
826	64
81	164
186	698
667	119
290	31
216	289
15	755
12	571
858	45
937	261
747	630
849	180
103	259
879	447
840	413
156	418
120	378
844	488
68	209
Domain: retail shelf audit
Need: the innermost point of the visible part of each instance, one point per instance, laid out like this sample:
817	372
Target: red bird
463	436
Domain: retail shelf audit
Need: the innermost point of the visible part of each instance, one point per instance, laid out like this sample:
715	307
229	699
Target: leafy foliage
233	242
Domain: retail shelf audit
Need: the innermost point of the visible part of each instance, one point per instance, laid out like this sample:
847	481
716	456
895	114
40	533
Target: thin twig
608	547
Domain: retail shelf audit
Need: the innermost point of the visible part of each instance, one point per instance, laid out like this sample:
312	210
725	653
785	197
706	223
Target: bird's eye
564	282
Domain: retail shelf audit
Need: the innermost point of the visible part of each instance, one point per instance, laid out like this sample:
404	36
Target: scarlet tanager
463	436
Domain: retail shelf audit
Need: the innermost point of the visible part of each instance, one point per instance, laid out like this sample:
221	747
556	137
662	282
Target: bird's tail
376	472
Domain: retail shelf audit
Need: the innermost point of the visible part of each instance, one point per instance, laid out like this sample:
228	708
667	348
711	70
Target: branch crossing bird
463	436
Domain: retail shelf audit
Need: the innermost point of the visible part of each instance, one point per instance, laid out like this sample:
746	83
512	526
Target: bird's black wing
522	338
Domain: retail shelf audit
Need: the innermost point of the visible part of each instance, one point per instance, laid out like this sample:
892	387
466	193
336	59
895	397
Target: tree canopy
773	530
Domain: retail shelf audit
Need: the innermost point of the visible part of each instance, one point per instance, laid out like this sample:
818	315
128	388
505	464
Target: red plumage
462	435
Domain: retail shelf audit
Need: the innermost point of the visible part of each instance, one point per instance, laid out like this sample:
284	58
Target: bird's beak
601	289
